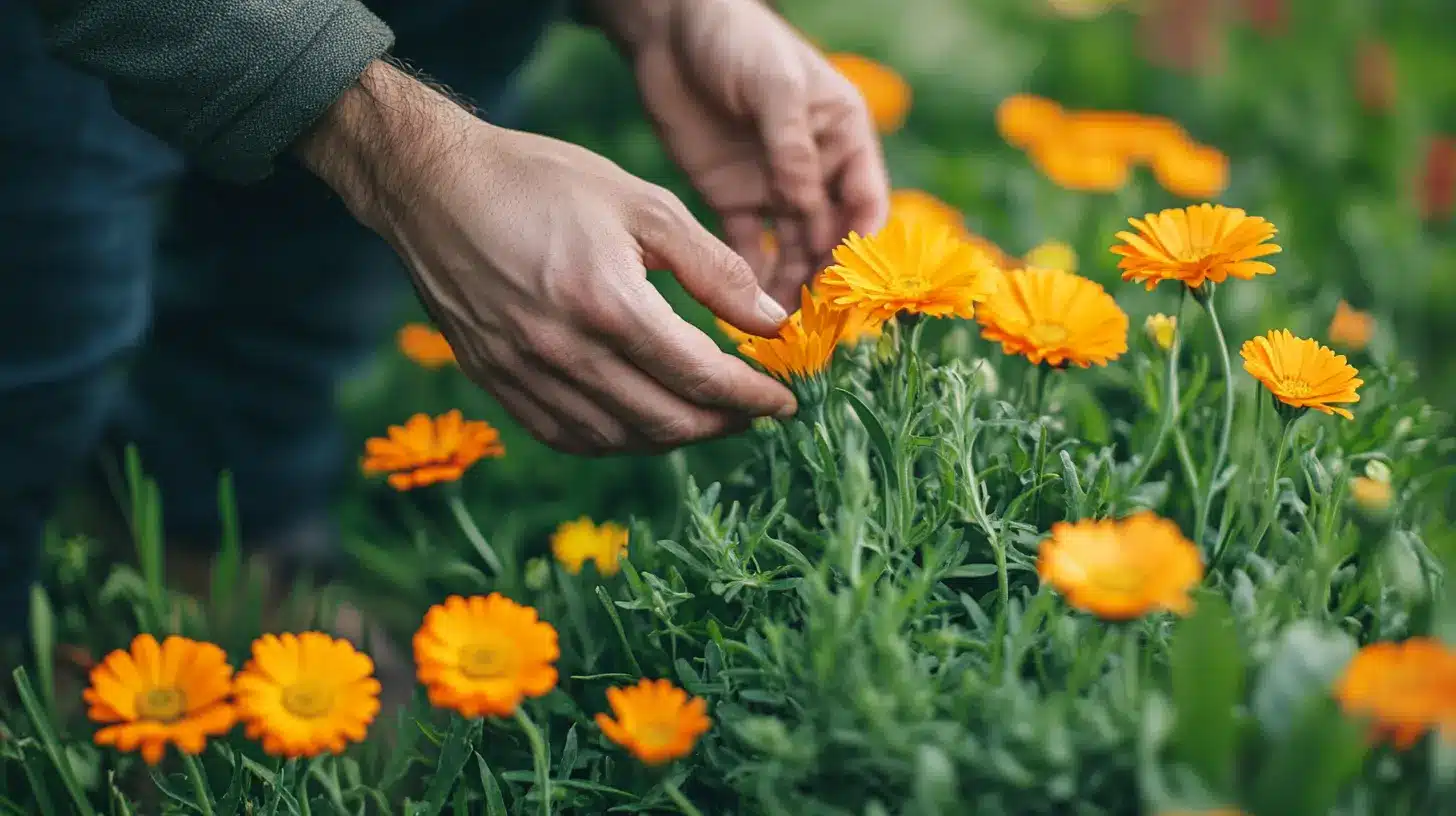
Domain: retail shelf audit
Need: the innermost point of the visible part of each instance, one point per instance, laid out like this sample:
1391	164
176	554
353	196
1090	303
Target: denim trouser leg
78	187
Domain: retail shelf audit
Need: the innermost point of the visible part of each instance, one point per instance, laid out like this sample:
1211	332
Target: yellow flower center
166	704
1289	386
913	285
657	733
1046	334
308	699
486	660
1121	579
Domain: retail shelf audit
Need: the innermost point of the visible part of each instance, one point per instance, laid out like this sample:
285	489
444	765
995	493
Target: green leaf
459	744
876	430
1306	660
494	804
43	638
1306	773
40	721
1208	682
568	753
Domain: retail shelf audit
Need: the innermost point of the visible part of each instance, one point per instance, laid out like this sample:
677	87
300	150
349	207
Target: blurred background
1335	119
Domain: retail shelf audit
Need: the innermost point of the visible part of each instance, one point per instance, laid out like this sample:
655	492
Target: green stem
1206	505
1170	397
681	801
1272	500
472	532
1131	663
1043	378
199	783
539	759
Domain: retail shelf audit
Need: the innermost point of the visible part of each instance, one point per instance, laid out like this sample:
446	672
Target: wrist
630	24
378	137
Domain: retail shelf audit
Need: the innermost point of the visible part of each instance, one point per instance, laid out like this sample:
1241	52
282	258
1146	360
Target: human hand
762	124
531	255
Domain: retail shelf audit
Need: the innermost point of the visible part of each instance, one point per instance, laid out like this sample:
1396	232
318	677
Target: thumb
707	268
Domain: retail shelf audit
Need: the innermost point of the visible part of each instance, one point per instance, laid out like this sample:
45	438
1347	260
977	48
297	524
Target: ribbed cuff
246	147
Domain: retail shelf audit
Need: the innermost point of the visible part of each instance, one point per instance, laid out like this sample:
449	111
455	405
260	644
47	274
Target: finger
539	420
797	177
659	419
795	265
636	320
746	234
715	275
861	185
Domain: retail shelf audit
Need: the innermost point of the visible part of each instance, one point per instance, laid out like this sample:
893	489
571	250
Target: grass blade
42	725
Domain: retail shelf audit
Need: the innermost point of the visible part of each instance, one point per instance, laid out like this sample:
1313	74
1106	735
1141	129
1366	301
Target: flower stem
687	808
539	759
472	532
1271	502
1206	505
1170	398
199	783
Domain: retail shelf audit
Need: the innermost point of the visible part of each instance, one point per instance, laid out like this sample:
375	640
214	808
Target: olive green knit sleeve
230	83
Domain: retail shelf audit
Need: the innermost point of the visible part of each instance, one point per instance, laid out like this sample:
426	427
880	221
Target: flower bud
538	574
1053	255
1161	329
885	347
1377	470
1371	496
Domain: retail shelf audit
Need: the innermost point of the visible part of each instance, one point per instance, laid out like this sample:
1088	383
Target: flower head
483	655
1302	373
425	346
1135	137
909	267
1404	689
886	93
1351	328
1075	167
805	345
1054	316
654	720
305	694
1025	119
1195	244
425	451
1119	570
1053	255
154	694
1191	170
1371	495
1161	329
918	205
576	542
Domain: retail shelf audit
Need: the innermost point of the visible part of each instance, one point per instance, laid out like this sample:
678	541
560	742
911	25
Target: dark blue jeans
208	324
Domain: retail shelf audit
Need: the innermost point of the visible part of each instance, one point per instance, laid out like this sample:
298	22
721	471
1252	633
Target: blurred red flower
1438	179
1375	77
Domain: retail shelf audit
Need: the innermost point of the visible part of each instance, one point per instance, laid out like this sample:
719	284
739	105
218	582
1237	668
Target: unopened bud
1371	496
1377	470
1053	255
885	347
1161	329
538	574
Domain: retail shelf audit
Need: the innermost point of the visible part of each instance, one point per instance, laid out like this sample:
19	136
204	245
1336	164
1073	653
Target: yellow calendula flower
425	450
1195	244
1026	119
1161	329
306	694
1301	373
576	542
1119	570
806	342
1404	689
909	267
483	655
425	346
1351	328
152	695
1053	255
886	93
654	720
1054	317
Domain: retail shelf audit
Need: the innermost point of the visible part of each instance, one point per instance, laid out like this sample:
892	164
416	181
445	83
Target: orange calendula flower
733	333
1194	244
305	694
1056	317
909	267
917	205
654	720
576	542
1026	119
1404	689
1351	328
1074	168
805	344
425	346
483	655
1132	136
1190	170
425	451
1119	570
154	694
1302	373
886	93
